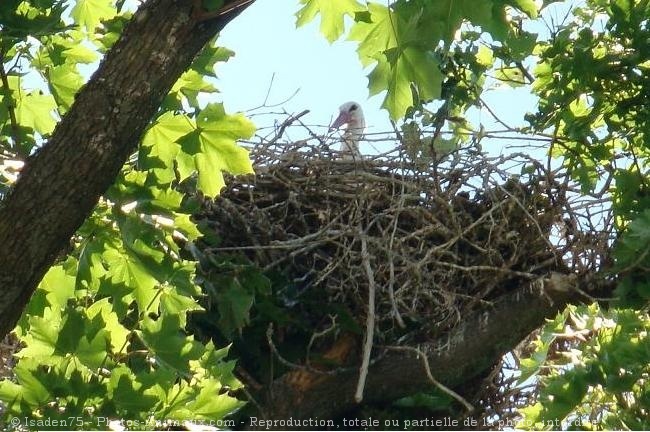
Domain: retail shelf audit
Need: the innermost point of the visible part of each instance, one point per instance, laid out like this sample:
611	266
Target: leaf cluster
406	43
593	367
104	335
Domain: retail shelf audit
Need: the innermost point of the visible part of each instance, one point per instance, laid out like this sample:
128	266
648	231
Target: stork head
350	113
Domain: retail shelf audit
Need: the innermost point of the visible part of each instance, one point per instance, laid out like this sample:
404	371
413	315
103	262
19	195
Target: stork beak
342	119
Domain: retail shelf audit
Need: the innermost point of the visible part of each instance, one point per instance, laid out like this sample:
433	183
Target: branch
61	184
465	353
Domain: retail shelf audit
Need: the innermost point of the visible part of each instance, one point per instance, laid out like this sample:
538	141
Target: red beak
342	119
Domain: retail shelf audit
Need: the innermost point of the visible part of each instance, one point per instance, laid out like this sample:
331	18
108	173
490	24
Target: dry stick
317	335
427	370
286	124
274	353
291	365
530	217
391	283
370	318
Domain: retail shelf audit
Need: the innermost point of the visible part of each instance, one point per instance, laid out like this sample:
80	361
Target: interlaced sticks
440	241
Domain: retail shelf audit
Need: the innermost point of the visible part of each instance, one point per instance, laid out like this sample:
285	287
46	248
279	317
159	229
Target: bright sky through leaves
324	75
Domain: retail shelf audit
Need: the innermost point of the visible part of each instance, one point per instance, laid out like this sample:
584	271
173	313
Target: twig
427	370
265	104
525	72
286	124
485	268
292	365
268	91
370	317
320	334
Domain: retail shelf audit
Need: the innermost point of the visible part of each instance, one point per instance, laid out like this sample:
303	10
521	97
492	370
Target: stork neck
354	131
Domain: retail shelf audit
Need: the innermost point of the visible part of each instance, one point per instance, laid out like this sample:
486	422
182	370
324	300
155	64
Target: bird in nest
350	114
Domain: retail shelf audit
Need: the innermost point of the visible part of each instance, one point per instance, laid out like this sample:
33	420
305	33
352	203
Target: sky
307	72
291	70
324	75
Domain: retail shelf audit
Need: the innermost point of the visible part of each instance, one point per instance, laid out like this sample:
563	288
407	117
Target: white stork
350	113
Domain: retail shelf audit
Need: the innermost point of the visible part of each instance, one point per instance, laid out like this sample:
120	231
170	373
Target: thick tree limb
462	355
61	184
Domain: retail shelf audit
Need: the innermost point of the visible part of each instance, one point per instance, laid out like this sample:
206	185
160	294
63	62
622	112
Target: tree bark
61	184
466	352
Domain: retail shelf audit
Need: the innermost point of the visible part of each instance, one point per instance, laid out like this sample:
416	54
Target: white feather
351	114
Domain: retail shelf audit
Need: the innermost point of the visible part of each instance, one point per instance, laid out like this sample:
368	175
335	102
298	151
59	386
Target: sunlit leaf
129	270
35	110
64	83
90	13
215	149
331	15
164	338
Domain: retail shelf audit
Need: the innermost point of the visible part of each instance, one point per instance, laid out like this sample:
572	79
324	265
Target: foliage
402	40
591	81
593	87
592	91
104	333
597	378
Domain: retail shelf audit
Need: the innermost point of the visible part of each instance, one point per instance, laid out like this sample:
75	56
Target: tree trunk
466	352
62	183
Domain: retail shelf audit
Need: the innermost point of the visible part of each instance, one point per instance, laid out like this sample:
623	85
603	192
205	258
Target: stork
350	113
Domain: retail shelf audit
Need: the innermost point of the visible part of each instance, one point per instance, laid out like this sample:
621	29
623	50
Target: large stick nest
436	239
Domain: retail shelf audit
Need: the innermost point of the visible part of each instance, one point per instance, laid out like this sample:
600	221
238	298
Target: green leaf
485	56
35	110
124	387
160	146
377	36
215	149
64	82
41	341
211	402
234	303
165	339
127	269
91	269
213	361
178	304
204	63
394	41
58	284
529	7
90	13
522	45
91	350
190	84
444	146
420	68
79	53
409	67
332	14
511	76
11	394
185	224
33	391
115	334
